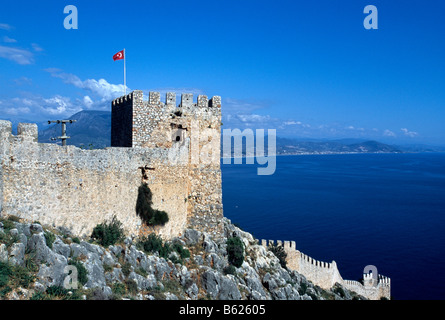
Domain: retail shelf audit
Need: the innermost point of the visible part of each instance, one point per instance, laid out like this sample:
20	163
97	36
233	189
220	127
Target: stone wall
78	189
325	274
197	126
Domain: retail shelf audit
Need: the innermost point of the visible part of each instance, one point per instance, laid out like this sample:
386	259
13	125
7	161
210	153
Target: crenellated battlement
154	99
326	275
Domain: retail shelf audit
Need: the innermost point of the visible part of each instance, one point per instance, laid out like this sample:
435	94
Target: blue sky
306	68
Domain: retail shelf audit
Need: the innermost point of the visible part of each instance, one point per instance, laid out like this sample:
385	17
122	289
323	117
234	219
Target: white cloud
9	40
102	88
5	26
253	118
36	47
408	133
38	108
88	102
19	56
291	123
388	133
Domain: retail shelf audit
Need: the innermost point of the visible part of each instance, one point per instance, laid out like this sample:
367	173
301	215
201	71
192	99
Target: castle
175	150
375	286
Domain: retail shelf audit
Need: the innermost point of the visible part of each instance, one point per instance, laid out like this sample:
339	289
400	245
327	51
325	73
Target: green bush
150	244
126	269
235	251
108	233
118	289
183	253
5	273
50	238
230	269
279	252
149	216
132	286
153	243
8	224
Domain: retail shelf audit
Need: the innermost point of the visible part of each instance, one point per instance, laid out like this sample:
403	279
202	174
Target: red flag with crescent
119	55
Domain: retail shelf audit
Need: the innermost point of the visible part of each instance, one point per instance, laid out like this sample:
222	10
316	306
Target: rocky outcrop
125	271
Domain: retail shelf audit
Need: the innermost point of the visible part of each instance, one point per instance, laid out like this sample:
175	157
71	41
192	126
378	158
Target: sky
309	69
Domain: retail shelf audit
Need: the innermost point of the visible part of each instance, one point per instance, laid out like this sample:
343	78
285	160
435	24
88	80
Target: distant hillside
91	128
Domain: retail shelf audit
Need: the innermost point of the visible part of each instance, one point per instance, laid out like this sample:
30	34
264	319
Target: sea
386	210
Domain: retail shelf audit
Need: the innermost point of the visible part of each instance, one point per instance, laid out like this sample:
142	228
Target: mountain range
92	129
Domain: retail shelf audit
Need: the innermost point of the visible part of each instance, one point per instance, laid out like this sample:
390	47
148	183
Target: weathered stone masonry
158	143
325	274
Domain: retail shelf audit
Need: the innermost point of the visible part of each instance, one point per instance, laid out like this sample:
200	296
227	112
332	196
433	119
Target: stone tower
189	133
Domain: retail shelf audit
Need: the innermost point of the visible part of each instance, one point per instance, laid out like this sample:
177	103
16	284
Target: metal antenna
64	136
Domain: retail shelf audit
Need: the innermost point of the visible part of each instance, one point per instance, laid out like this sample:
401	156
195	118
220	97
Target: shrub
118	289
132	286
50	238
76	240
235	251
152	243
126	269
57	291
279	252
230	269
149	216
183	253
5	273
8	224
108	233
302	289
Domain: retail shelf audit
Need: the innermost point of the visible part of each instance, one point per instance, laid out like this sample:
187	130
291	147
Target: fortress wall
325	274
177	155
372	292
196	124
321	273
78	189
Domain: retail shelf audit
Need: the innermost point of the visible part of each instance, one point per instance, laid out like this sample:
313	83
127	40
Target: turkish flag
118	56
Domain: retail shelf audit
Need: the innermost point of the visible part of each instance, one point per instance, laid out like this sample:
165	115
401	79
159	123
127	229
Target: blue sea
386	210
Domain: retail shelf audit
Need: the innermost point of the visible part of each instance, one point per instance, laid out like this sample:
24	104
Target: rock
3	253
17	255
170	296
35	228
78	250
115	275
37	243
93	248
14	232
192	237
108	259
143	283
219	286
61	248
96	276
192	291
53	272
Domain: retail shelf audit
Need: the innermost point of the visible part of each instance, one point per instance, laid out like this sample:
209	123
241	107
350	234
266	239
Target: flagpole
125	75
